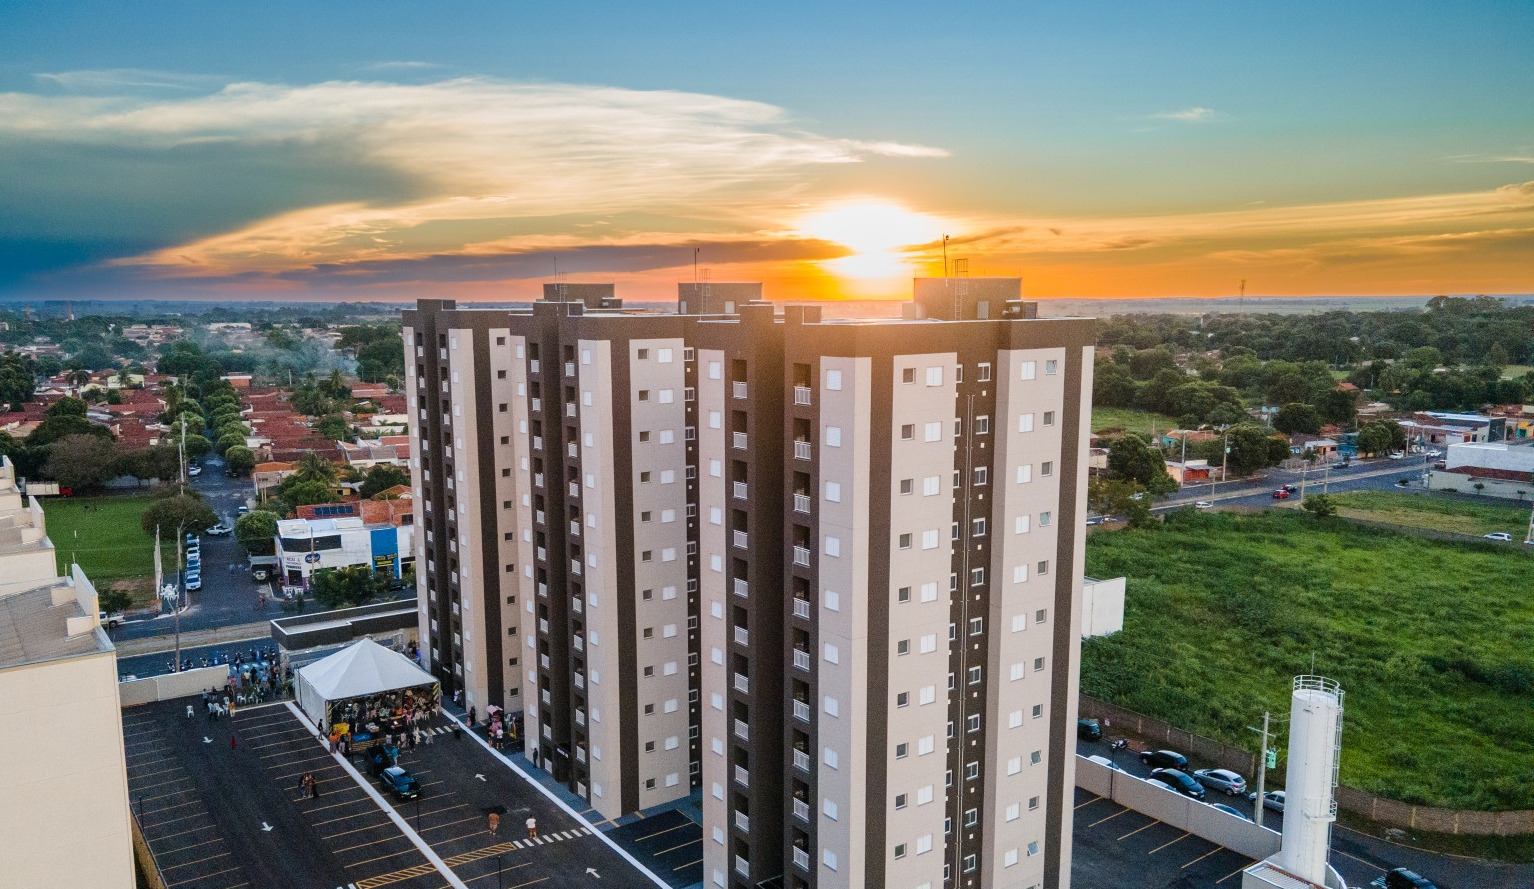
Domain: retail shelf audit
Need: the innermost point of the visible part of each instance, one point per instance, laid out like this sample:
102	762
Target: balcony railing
801	810
801	659
742	777
801	858
741	588
738	389
537	405
570	409
802	503
743	821
802	608
533	365
801	395
801	760
802	556
537	479
575	489
743	867
537	442
742	730
739	440
802	711
742	636
739	490
801	450
740	540
742	683
569	368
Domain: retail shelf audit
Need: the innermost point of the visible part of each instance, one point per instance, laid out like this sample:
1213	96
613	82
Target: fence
1349	799
149	868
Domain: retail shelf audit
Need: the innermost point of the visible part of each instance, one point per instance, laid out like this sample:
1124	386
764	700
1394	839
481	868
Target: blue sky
391	150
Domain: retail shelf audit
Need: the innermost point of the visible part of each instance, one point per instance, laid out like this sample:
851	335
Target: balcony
801	859
542	553
742	636
739	440
801	810
802	503
741	588
742	867
738	389
802	556
739	490
742	777
547	698
579	641
537	442
543	625
802	608
802	395
742	683
743	822
801	760
534	365
801	659
580	678
569	368
801	450
537	405
539	517
571	450
742	730
740	540
537	479
575	489
570	409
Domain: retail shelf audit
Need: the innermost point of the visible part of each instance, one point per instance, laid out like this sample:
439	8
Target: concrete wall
1184	813
171	685
1492	487
1102	607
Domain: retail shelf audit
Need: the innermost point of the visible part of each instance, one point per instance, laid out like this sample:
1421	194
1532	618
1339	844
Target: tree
333	427
294	492
161	461
1297	417
1320	505
1373	439
177	514
52	429
343	587
255	531
1132	459
1337	406
239	460
311	467
83	462
1252	448
17	383
382	478
113	601
225	442
197	446
68	406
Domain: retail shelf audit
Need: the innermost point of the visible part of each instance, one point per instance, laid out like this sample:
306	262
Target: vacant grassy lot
1130	419
103	535
1435	513
1430	640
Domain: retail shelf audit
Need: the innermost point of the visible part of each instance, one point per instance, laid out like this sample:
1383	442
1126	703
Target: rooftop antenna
945	256
1241	302
695	252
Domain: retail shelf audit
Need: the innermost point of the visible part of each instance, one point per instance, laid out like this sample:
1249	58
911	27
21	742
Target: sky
391	150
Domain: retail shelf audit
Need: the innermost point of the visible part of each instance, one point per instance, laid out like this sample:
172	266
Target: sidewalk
193	638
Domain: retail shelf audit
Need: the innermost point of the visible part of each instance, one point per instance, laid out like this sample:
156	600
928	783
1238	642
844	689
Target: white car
219	530
194	471
1434	453
1273	799
1204	504
1395	455
1500	537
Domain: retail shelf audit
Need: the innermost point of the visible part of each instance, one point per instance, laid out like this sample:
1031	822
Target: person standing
314	787
472	713
494	820
532	828
231	742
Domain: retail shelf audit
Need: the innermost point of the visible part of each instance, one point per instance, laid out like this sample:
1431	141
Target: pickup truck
110	621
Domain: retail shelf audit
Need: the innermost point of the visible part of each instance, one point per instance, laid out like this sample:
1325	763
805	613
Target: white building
305	546
1496	470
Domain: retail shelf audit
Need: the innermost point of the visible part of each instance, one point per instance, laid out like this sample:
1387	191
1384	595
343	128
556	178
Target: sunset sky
390	150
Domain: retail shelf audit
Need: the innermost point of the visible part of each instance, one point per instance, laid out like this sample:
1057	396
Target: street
1363	475
226	597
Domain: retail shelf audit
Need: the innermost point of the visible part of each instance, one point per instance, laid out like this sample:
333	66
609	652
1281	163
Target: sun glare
876	231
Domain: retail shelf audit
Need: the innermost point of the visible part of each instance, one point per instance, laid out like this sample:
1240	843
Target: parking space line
659	832
528	883
674	848
1202	857
1095	799
203	877
163	852
464	837
202	814
168	808
1369	864
506	869
450	823
350	802
177	834
412	850
284	731
196	861
366	844
1231	874
355	830
147	799
688	864
1164	845
443	809
1137	830
1110	817
162	783
152	774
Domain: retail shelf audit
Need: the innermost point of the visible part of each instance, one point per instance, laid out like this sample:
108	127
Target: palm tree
77	376
311	467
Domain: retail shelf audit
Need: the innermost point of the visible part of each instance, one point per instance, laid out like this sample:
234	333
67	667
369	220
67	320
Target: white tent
361	669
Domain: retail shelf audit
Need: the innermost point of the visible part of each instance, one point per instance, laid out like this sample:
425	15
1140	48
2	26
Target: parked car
219	530
1273	799
1179	781
1089	730
1395	455
243	509
1204	504
400	782
193	582
1290	488
193	471
1345	464
1500	537
1232	810
1164	759
111	620
1435	453
1280	494
1223	780
1105	762
1401	878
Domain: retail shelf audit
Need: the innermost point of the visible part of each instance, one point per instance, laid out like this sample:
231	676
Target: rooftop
35	625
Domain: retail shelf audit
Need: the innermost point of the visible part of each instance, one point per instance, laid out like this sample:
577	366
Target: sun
877	231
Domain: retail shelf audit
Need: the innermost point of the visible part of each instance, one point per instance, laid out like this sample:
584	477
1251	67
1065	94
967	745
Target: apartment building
61	735
826	572
555	505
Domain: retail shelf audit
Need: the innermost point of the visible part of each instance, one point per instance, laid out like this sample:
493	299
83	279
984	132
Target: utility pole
1262	767
945	257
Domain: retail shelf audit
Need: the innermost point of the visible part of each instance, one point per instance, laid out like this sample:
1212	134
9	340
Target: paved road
226	597
200	656
1369	475
1359	857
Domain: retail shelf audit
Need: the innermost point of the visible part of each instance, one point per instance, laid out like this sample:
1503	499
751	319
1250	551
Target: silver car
1223	780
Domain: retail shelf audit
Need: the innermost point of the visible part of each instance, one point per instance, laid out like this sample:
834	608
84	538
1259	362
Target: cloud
401	66
481	155
1187	115
1490	159
129	78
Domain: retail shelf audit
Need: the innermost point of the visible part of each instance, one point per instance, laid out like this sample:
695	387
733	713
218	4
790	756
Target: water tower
1310	792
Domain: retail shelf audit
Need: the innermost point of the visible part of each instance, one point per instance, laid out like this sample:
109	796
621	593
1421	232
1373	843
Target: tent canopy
361	669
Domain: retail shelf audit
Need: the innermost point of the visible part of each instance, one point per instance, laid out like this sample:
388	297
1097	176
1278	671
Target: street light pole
1262	768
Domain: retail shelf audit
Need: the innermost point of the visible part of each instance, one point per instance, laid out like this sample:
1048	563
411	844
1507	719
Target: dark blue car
400	783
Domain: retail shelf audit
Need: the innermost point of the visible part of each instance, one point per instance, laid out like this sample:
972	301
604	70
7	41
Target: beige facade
65	813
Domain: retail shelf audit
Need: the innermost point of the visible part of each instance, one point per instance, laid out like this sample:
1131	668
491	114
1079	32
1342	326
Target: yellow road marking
674	848
1164	845
198	861
204	876
688	864
1202	857
659	832
1133	832
1095	799
184	848
1109	818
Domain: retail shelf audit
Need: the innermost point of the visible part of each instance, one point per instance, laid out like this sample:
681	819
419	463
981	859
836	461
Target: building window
985	372
972	723
982	475
1043	567
901	751
905	541
908	375
971	816
1033	803
903	594
906	485
977	577
974	675
976	626
1047	468
1041	615
1038	710
903	646
1051	367
977	528
1027	370
903	699
908	432
982	425
1049	418
1044	519
900	850
934	376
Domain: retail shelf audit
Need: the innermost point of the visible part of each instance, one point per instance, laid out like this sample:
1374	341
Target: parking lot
669	844
1115	846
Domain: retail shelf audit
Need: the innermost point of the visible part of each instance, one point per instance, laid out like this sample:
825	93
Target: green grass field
103	535
1514	371
1435	513
1130	419
1429	639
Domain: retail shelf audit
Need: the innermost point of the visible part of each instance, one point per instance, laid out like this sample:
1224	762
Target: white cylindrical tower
1310	792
